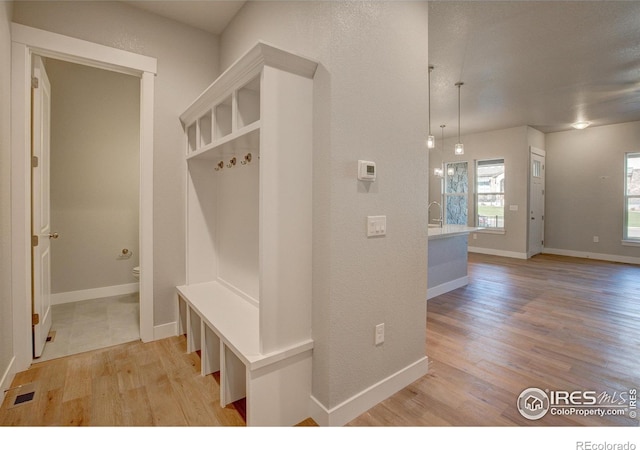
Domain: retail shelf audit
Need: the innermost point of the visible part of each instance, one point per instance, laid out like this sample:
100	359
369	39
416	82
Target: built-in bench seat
224	326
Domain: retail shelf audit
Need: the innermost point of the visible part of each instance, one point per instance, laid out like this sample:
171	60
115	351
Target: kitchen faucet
440	220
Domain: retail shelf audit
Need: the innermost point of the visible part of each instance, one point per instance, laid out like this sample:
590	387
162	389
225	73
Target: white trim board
589	255
165	330
7	379
363	401
494	252
447	287
78	51
90	294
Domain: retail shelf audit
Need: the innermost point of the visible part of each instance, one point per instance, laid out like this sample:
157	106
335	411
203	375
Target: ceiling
208	15
545	64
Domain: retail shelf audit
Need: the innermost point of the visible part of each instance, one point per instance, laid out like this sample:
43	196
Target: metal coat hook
219	166
246	160
232	162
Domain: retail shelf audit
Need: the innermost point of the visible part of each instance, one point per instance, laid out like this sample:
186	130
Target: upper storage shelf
226	116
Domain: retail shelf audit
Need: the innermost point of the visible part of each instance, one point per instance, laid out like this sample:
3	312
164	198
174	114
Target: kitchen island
447	258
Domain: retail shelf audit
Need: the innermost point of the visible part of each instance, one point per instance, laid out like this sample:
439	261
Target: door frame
26	41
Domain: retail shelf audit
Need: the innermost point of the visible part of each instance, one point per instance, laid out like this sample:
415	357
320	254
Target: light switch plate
376	226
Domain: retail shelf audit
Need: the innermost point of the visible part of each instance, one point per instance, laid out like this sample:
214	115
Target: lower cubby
277	385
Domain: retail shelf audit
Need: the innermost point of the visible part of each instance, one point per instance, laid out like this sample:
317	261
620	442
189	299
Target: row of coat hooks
233	161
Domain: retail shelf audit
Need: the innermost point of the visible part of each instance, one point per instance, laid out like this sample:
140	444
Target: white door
40	211
536	202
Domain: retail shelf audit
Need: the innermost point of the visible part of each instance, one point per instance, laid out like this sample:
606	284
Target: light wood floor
549	322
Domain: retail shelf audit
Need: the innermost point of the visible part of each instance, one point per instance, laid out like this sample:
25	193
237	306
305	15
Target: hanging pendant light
459	148
431	140
440	172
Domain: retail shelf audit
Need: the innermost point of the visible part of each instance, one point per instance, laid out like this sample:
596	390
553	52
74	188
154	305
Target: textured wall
187	63
95	176
585	187
6	322
370	102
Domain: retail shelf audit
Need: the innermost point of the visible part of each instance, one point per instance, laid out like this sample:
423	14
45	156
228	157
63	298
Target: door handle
54	235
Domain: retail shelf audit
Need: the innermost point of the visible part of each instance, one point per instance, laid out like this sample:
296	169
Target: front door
40	208
536	202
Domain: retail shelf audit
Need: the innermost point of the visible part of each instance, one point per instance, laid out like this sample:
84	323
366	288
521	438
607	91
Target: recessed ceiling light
580	125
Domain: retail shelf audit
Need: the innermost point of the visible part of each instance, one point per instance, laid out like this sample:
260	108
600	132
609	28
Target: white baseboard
446	287
7	379
165	330
368	398
89	294
589	255
491	251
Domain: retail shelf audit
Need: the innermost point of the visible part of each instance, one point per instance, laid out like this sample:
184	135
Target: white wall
370	97
585	187
187	63
95	176
6	322
512	144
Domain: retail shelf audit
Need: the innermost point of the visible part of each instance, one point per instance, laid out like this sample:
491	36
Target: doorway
94	204
26	42
536	201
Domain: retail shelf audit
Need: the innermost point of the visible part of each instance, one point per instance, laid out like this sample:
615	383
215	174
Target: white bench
225	328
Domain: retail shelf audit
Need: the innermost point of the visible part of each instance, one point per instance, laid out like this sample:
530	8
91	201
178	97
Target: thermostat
366	170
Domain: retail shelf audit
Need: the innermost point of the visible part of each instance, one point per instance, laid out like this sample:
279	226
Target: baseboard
446	287
589	255
165	330
89	294
368	398
7	379
494	252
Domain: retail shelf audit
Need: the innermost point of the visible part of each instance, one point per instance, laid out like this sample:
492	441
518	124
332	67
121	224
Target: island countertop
437	232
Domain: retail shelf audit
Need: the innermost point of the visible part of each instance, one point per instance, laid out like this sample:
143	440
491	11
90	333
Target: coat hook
246	160
219	166
232	162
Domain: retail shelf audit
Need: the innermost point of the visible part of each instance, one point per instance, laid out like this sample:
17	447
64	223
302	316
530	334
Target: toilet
136	272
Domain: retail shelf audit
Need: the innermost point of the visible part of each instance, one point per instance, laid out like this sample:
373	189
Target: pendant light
459	148
431	140
440	172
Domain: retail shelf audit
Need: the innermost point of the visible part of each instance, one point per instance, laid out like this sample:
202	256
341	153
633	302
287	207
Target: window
490	193
632	197
456	188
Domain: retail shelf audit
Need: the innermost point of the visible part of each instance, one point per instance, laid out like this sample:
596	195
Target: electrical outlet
379	333
596	239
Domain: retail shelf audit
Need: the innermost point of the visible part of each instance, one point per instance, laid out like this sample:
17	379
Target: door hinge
34	241
34	82
34	161
35	319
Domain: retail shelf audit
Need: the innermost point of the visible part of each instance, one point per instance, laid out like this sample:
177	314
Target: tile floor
93	324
